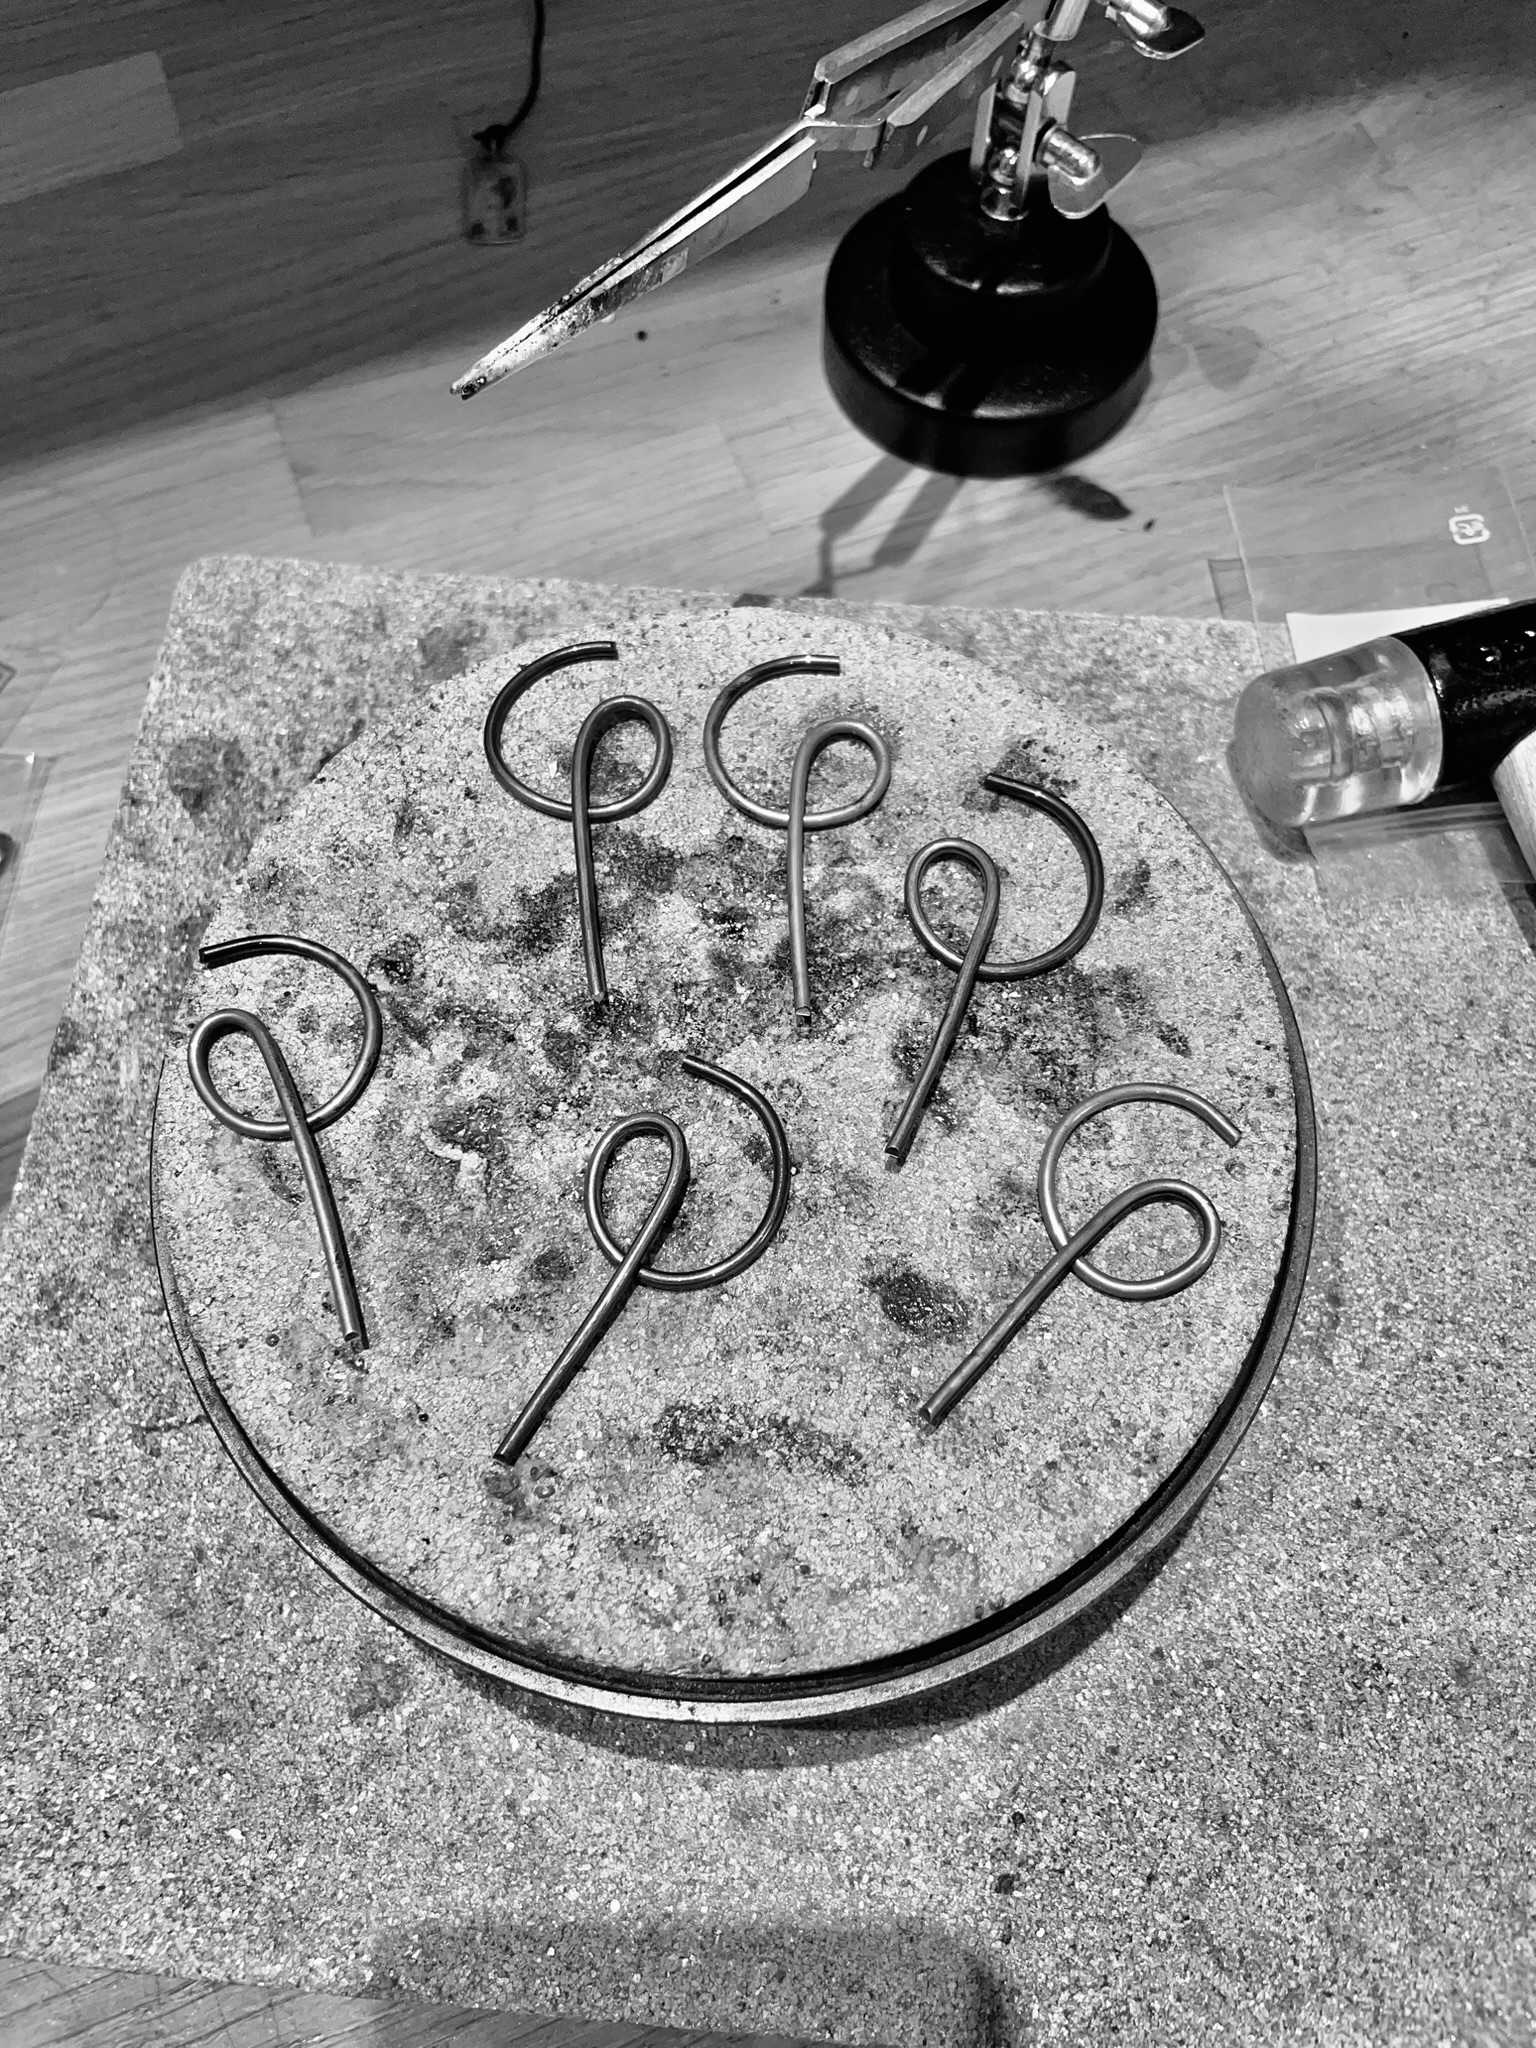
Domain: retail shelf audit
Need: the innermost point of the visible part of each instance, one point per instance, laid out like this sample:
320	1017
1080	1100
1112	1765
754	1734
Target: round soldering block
736	1494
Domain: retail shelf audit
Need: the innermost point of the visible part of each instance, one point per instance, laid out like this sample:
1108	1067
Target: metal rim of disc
870	1683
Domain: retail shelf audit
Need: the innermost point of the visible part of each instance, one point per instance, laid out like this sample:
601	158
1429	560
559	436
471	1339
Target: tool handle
1514	783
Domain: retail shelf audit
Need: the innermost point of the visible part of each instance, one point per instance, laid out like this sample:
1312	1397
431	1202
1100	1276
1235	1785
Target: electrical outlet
495	198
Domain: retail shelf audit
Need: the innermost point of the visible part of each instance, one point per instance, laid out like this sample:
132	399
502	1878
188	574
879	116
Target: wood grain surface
45	2005
83	125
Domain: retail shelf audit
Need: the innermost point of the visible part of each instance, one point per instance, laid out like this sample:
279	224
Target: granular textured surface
1278	1790
738	1483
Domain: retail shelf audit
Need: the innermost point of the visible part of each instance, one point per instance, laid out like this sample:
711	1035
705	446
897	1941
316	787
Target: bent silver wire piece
581	813
973	965
632	1269
882	98
298	1124
1072	1248
797	820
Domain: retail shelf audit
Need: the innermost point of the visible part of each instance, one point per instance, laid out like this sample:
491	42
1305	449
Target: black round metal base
984	348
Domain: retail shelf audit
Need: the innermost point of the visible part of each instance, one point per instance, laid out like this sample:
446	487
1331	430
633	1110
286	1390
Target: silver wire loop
798	820
1071	1249
634	709
299	1124
224	1023
1071	822
1160	1285
849	728
973	966
581	813
688	1280
631	1270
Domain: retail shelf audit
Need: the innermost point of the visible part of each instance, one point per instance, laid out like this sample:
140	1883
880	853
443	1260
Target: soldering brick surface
738	1482
1277	1793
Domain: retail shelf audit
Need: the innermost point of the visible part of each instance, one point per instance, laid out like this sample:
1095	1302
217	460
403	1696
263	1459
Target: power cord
493	140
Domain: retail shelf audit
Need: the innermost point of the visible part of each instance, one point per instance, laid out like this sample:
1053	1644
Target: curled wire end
298	1124
689	1279
610	1303
797	820
961	853
496	718
612	712
974	964
260	945
1048	1200
630	1262
1071	1248
579	811
1050	1276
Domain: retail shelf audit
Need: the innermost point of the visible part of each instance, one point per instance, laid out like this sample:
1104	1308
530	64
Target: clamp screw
1003	167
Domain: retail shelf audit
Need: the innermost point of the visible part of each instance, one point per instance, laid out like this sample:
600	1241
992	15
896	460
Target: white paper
1314	634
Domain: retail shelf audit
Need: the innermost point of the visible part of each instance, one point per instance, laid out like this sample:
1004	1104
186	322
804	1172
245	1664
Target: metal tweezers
881	98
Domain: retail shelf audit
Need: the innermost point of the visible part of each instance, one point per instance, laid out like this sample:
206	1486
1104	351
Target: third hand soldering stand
991	320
